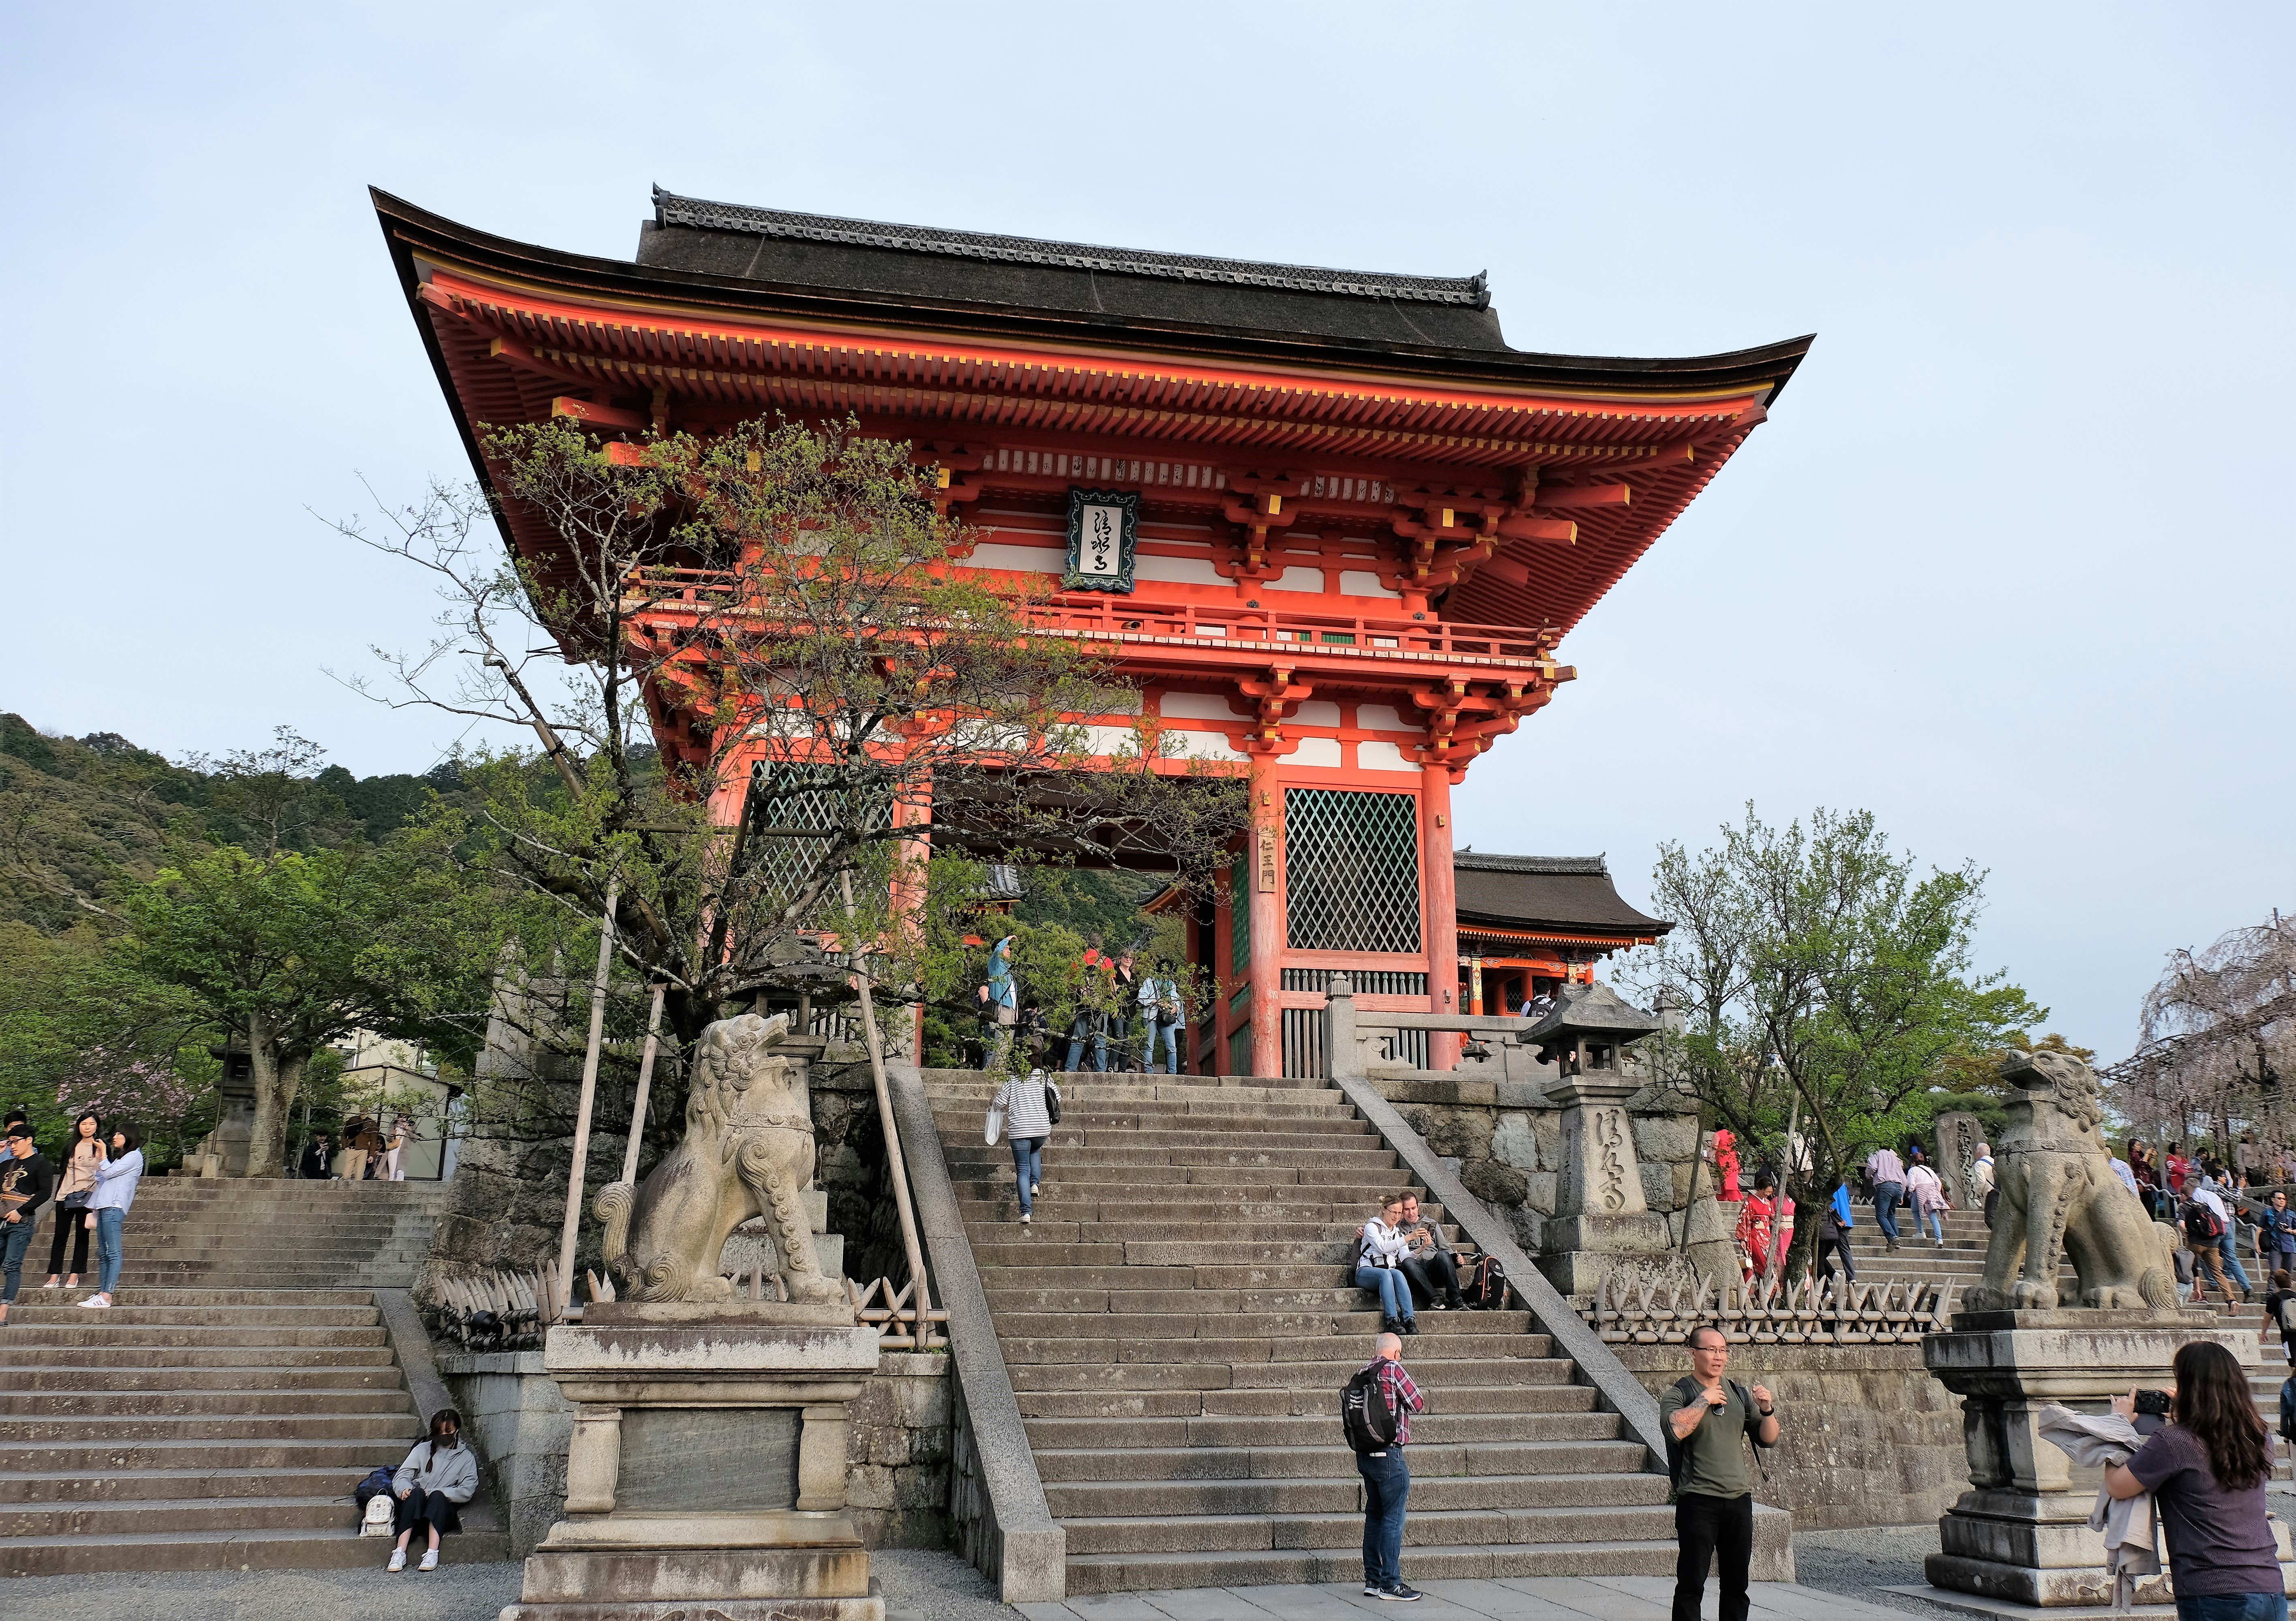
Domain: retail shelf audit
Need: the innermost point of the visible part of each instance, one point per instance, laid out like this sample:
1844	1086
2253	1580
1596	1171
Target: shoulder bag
996	1124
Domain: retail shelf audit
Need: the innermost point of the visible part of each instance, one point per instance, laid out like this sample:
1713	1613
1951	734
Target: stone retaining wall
897	1444
1867	1437
1507	1138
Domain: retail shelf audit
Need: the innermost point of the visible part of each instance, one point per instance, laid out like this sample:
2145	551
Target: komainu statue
2060	1197
748	1152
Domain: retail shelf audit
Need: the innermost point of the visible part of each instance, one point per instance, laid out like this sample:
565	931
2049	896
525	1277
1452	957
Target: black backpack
1485	1286
1675	1449
1365	1415
2201	1224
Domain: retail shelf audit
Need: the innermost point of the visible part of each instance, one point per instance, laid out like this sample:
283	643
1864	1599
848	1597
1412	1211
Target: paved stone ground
1843	1576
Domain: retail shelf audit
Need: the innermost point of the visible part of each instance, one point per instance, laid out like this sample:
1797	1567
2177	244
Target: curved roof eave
1768	366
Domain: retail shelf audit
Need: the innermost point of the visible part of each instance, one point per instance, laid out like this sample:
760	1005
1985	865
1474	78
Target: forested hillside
86	813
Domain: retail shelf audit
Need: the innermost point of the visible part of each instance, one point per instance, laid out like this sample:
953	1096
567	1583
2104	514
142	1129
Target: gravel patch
1858	1564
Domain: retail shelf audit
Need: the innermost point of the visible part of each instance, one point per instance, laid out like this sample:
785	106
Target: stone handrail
1017	1544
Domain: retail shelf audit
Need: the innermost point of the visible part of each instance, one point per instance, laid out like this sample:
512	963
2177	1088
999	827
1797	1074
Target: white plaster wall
1375	754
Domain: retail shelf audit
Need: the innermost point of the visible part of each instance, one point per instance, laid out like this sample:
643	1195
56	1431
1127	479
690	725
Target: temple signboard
1103	531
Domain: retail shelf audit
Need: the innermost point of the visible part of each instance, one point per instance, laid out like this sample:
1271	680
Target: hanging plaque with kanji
1104	529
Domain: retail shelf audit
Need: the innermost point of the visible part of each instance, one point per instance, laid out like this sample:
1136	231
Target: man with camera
1704	1416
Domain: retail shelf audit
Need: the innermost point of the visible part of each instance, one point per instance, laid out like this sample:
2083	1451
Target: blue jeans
2233	1606
11	1258
1930	1220
1088	1025
1394	1293
1387	1482
1029	1165
1168	1032
1887	1197
107	1247
2231	1254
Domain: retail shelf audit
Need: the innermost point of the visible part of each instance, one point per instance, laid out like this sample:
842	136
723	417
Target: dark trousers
1433	1275
420	1508
1831	1245
1387	1482
12	1256
1705	1527
1887	1197
76	1221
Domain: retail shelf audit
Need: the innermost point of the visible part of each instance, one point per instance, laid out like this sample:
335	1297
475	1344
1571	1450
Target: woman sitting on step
440	1475
1380	1251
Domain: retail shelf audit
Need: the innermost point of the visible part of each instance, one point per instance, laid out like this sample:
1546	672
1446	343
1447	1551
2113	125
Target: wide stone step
1342	1494
124	1315
384	1376
130	1429
1319	1429
939	1082
985	1202
34	1336
269	1298
160	1485
207	1514
1235	1325
1532	1365
1129	1301
1175	1124
253	1550
1576	1457
1091	1574
110	1400
1285	1401
1422	1528
1048	1228
268	1452
257	1358
1069	1158
1015	1266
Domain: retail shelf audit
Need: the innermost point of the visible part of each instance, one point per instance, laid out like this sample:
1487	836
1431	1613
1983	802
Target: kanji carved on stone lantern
1327	522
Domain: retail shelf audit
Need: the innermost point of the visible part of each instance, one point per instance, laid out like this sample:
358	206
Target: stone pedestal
706	1471
2022	1531
1600	1210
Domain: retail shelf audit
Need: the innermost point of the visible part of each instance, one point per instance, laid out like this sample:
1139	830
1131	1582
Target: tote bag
995	1129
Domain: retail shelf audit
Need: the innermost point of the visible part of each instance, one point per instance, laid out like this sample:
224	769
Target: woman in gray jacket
440	1475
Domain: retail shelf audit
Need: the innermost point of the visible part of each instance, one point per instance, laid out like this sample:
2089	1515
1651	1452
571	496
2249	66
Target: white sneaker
97	1301
1024	1218
1035	1187
429	1560
397	1560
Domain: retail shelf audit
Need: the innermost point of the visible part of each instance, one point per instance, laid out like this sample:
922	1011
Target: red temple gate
1329	525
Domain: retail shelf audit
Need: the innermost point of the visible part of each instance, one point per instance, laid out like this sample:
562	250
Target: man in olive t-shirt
1704	1416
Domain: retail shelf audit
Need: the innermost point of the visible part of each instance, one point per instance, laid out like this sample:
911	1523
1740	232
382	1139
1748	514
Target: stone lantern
1600	1211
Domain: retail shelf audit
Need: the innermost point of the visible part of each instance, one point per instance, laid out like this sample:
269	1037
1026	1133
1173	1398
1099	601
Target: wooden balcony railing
670	591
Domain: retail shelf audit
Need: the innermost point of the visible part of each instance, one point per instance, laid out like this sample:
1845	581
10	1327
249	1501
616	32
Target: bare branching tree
2214	1039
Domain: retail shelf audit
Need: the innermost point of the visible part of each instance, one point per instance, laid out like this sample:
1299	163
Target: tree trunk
275	1078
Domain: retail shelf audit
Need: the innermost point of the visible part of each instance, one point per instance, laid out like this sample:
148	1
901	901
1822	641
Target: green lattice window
1238	913
800	799
1351	870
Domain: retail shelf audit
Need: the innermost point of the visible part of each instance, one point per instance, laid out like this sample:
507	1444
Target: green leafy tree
1823	987
293	951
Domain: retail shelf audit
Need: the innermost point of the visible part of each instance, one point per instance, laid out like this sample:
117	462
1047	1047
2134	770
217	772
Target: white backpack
378	1520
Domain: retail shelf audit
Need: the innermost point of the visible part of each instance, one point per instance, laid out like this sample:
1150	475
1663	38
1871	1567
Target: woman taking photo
75	1184
2206	1468
115	1191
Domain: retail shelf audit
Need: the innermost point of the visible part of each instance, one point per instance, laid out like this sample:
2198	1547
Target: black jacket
30	1181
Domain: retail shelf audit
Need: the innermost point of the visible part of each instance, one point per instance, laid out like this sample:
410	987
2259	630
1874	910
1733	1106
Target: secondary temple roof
1545	894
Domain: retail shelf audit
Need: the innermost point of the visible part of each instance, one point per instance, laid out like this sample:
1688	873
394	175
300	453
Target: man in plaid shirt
1387	1479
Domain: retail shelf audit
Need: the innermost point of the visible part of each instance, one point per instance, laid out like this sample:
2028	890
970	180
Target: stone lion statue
2060	1197
748	1150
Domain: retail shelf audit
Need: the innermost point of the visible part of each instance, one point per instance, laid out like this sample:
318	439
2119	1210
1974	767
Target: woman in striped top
1026	1124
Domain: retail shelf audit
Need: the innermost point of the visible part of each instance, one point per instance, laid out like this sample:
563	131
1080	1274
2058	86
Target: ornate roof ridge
1472	292
1579	866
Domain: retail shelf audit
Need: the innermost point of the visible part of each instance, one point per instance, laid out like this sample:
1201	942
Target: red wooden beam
591	414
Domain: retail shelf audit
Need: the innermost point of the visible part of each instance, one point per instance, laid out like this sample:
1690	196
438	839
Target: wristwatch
1770	1411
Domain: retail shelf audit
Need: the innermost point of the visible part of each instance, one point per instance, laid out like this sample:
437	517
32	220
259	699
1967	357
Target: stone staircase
218	1415
1179	1319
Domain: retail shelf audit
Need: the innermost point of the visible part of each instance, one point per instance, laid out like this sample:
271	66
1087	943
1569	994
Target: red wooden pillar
1268	921
1440	889
908	896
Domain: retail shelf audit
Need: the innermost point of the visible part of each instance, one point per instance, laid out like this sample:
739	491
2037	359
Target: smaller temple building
1529	923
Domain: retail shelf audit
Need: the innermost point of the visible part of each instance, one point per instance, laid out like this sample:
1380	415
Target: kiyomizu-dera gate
1328	522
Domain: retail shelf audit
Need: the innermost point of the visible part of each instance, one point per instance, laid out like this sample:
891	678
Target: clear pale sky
2010	565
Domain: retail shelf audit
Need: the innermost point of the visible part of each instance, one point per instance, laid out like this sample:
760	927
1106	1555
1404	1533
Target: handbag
1051	1103
995	1127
